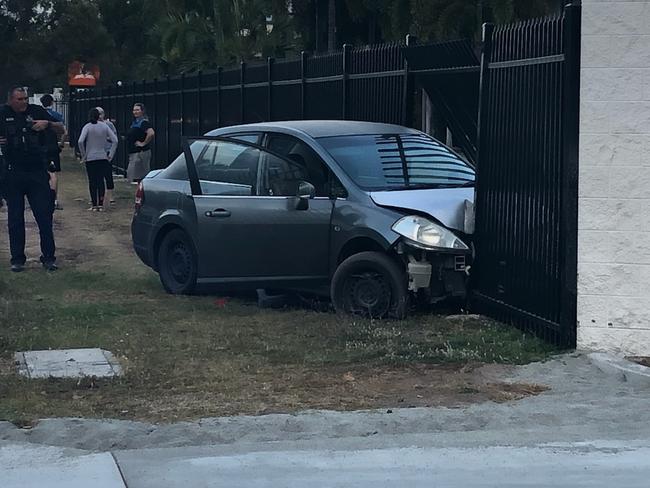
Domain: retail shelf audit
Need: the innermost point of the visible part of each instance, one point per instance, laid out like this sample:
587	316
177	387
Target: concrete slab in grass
68	363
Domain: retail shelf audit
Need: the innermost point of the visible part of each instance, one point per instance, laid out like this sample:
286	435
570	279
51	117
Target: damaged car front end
429	191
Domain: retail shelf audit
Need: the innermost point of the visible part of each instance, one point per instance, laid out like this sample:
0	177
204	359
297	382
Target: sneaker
17	268
50	266
100	208
57	205
112	202
92	209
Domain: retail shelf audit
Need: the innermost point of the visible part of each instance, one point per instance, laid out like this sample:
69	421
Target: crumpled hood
447	205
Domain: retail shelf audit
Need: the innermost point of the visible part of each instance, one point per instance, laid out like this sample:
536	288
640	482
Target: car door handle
218	213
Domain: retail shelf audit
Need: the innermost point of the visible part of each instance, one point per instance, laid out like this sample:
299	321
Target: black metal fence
526	204
369	83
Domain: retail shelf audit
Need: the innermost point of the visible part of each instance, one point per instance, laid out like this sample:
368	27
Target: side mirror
306	191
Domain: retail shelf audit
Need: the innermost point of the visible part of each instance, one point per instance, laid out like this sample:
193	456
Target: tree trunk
331	25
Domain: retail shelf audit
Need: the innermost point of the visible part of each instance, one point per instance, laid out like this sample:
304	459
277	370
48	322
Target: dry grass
190	357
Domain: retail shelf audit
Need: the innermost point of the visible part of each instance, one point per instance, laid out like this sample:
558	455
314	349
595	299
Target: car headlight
424	233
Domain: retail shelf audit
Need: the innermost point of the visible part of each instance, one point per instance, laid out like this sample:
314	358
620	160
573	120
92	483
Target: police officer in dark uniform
24	148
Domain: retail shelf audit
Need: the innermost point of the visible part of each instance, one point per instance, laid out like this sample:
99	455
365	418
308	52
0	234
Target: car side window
226	168
177	170
314	170
281	178
252	137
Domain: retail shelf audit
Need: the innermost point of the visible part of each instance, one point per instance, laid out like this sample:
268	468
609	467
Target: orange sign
82	74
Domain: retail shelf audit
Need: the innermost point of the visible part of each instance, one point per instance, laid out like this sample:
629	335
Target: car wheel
177	263
370	284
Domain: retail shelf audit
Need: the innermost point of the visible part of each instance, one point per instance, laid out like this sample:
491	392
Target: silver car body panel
447	205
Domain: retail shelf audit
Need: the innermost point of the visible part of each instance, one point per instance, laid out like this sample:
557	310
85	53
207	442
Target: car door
246	233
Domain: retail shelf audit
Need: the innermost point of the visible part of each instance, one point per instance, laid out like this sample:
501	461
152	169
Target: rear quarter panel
166	203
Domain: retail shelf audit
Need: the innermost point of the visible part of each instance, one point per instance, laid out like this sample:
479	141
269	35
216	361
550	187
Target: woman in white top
92	146
108	177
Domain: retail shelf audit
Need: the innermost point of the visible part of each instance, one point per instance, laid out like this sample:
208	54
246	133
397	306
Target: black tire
370	284
177	263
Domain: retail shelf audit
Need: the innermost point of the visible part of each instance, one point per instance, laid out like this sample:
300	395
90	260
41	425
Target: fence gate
527	200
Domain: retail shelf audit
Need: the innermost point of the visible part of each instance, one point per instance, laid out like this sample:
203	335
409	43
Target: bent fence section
526	202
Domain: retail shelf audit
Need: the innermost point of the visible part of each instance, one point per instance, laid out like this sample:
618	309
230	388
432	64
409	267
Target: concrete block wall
614	184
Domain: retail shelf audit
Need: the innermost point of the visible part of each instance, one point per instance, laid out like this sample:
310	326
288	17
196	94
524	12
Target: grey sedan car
372	215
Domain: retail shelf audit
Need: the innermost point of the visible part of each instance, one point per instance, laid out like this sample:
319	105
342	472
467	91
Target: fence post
407	100
303	84
270	62
569	184
242	83
346	69
219	72
155	117
72	120
484	93
199	115
484	88
168	118
182	104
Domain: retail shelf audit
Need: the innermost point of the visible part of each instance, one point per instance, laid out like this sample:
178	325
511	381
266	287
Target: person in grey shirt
108	177
92	146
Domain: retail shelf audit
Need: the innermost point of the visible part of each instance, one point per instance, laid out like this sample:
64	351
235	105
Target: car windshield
398	162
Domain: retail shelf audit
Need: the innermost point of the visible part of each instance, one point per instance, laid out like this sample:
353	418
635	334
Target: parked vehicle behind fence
370	214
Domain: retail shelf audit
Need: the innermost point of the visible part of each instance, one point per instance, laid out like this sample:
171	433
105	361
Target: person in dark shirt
138	144
24	147
54	147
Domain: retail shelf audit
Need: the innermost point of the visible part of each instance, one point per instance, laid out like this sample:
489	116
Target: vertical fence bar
303	84
569	182
182	98
269	70
346	76
242	88
154	153
219	73
408	86
199	109
168	127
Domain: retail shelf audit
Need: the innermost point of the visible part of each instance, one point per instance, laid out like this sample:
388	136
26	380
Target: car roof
320	128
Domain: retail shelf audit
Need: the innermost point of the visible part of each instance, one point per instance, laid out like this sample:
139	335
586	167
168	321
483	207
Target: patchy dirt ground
192	357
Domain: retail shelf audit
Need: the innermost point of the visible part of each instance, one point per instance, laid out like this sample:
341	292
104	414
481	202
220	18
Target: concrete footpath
592	428
594	465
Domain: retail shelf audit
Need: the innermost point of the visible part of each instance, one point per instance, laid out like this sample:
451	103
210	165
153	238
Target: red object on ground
221	301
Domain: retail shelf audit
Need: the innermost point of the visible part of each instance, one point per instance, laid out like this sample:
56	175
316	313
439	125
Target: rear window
397	162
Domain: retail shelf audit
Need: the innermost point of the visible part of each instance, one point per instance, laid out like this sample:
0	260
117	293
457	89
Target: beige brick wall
614	186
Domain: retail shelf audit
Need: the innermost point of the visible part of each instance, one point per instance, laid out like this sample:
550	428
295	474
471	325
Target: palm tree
210	33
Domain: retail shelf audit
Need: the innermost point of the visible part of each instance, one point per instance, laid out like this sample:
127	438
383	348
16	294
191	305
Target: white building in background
614	184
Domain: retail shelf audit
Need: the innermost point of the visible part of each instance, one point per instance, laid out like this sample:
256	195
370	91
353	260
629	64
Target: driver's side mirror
306	191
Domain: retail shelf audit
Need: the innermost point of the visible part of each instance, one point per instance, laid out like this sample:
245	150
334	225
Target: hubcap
180	262
368	293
